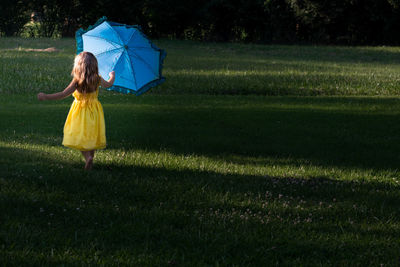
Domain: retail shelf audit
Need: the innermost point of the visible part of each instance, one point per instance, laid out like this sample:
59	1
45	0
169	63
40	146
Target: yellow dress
85	128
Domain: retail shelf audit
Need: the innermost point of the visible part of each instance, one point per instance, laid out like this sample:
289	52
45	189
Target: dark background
347	22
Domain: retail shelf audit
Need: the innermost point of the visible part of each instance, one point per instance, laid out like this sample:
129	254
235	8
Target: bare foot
89	163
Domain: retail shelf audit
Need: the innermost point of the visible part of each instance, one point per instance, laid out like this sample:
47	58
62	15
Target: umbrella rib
132	36
143	48
111	42
133	71
138	47
116	62
116	33
141	59
108	51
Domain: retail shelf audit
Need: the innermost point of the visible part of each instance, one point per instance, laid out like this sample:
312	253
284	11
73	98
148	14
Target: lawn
248	155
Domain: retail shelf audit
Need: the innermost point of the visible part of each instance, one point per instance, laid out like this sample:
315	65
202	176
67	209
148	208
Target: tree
13	15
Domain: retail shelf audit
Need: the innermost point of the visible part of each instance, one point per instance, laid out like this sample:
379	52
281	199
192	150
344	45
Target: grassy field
234	161
220	69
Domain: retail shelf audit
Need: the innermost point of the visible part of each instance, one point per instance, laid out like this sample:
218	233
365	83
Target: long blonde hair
85	73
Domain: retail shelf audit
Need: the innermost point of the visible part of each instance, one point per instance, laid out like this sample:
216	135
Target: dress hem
85	149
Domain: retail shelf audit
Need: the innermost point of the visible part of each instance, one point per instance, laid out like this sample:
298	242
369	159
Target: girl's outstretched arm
110	82
60	95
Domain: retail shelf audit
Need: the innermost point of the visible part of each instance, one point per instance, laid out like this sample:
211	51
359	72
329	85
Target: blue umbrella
137	62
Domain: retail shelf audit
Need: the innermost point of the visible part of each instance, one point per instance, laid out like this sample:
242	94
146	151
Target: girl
84	128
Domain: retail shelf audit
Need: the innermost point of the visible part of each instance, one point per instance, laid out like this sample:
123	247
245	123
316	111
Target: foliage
348	21
12	17
268	21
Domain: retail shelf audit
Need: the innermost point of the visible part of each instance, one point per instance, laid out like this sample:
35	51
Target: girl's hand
41	96
110	82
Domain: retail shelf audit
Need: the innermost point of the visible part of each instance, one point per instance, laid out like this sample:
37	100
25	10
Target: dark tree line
266	21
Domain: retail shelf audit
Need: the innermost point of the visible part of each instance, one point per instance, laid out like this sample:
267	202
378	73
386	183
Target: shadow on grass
271	83
343	132
331	132
133	214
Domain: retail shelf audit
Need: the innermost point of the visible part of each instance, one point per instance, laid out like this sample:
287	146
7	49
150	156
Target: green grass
238	69
196	173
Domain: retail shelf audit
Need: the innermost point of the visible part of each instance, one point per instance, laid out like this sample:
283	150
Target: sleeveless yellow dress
85	128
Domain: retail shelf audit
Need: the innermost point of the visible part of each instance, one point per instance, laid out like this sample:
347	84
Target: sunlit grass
206	68
266	166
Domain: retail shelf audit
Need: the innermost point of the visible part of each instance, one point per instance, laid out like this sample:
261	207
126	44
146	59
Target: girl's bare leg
88	155
84	154
89	163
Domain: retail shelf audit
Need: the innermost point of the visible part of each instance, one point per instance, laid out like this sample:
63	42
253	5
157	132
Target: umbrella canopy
137	62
